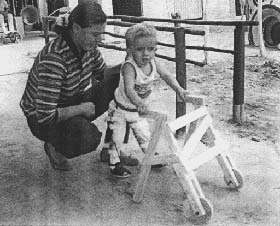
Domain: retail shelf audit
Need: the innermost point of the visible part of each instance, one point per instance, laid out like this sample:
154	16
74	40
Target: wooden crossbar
164	159
187	118
202	158
195	138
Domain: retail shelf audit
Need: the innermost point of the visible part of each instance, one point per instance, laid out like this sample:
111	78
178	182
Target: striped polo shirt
57	77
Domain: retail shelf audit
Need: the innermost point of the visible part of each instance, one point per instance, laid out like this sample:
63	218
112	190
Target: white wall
217	9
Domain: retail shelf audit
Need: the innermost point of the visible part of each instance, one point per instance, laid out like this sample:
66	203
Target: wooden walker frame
200	129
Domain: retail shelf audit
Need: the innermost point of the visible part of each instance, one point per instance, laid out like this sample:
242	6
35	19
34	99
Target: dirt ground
32	193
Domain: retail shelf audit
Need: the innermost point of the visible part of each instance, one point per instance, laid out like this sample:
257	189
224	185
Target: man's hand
88	110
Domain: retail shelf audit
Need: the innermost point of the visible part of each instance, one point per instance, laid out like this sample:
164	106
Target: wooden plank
204	157
227	166
163	159
201	64
181	76
171	141
197	104
196	100
191	189
172	158
195	138
184	21
204	48
145	168
187	118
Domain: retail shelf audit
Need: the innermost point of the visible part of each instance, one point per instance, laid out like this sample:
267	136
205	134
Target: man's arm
86	109
51	69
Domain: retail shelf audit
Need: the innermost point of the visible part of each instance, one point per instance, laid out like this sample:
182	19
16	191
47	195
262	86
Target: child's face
143	50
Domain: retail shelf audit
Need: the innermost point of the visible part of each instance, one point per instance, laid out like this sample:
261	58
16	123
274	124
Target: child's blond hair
139	30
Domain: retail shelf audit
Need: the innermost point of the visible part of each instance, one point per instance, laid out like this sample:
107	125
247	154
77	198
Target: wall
220	9
217	9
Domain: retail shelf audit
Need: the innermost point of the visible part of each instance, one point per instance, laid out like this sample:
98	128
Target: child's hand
183	94
142	108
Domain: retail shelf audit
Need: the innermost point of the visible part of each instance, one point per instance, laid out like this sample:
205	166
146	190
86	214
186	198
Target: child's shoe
118	170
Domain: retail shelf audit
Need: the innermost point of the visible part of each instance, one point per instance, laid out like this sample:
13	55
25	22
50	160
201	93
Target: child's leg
141	133
117	126
104	154
11	22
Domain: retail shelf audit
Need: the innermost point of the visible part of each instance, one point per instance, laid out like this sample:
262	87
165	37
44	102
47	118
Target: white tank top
143	84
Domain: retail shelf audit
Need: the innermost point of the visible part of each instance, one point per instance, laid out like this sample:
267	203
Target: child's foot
119	170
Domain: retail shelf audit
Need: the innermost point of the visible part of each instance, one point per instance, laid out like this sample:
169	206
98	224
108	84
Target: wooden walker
200	129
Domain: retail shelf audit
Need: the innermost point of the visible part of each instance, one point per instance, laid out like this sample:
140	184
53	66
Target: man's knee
83	137
90	137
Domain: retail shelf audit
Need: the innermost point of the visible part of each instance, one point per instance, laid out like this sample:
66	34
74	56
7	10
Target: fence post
238	74
180	54
206	29
46	29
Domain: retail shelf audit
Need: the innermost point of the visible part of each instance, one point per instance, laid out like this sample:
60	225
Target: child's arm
171	80
129	74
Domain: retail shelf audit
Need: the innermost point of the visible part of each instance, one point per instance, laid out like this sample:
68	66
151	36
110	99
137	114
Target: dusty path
32	193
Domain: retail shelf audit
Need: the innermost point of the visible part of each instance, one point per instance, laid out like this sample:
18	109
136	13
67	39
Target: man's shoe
57	160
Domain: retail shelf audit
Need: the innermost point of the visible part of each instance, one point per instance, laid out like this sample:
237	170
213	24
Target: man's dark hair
87	13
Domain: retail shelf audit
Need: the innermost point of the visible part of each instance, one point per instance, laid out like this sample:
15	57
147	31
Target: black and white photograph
139	112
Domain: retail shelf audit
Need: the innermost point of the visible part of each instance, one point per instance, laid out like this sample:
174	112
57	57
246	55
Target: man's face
88	38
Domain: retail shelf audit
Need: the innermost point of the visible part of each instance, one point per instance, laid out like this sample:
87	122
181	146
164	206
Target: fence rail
159	28
184	21
173	46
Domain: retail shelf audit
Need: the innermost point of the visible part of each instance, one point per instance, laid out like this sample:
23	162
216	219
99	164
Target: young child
138	73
